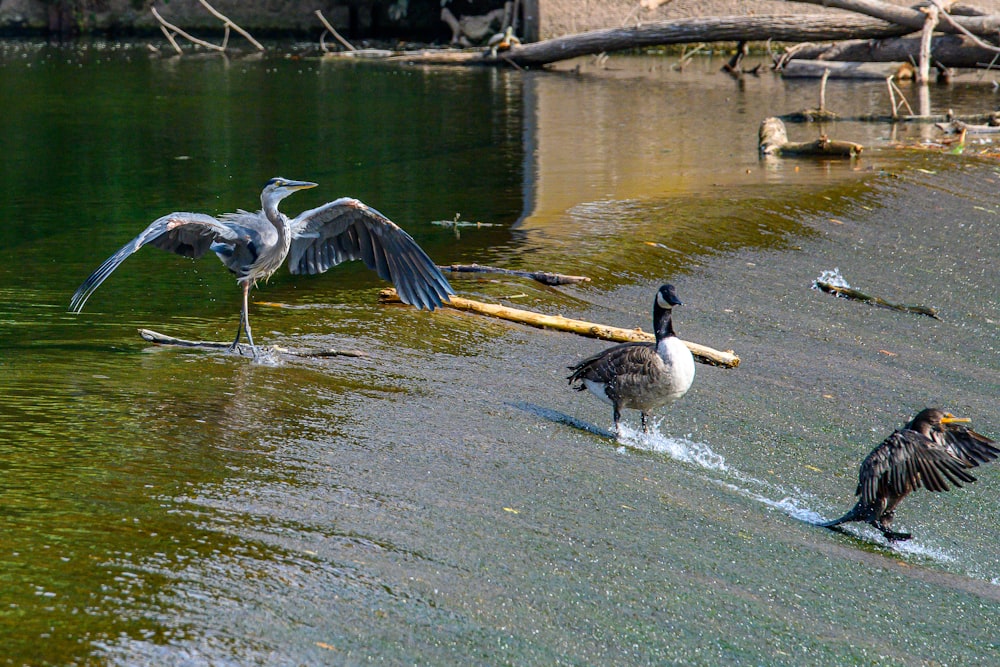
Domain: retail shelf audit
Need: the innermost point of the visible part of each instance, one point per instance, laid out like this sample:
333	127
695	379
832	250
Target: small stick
326	24
543	277
702	353
243	349
857	295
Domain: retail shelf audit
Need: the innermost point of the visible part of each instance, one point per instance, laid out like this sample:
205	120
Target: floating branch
702	353
244	350
857	295
774	141
544	277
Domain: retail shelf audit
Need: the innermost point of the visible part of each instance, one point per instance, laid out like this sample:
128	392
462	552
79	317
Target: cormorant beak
951	419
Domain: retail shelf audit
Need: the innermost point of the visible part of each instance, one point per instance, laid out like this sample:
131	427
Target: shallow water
447	498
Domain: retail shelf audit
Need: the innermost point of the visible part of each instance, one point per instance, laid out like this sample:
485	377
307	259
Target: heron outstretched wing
347	229
187	234
905	461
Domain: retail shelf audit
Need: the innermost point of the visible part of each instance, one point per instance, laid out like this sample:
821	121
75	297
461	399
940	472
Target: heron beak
300	185
951	419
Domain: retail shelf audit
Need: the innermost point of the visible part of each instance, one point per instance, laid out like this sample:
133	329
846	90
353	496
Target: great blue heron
254	245
931	450
641	376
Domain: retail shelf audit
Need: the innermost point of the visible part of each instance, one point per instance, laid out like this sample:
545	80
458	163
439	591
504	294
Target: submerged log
702	353
242	349
544	277
857	295
774	141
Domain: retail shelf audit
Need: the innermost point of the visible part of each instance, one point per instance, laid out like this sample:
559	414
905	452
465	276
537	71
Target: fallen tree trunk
772	140
784	28
702	353
949	50
914	19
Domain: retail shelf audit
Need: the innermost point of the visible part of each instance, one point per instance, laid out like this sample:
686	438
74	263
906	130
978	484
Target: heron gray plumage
641	376
932	450
255	245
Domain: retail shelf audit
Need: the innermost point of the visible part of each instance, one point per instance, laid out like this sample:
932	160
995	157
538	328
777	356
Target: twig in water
244	350
332	31
544	277
857	295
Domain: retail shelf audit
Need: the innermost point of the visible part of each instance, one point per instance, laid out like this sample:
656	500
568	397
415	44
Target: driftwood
774	141
705	355
785	28
544	277
958	127
815	69
857	295
242	348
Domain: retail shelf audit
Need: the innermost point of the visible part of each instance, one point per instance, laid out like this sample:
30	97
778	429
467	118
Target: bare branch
332	31
164	25
229	23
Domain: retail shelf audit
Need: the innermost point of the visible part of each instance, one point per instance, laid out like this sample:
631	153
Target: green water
446	498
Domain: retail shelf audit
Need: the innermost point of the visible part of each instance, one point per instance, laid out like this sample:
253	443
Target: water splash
679	448
833	278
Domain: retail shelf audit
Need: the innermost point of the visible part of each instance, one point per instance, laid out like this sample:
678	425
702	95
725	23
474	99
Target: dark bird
641	376
254	245
931	451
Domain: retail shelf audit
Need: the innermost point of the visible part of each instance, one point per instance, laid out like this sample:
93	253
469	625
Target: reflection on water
447	498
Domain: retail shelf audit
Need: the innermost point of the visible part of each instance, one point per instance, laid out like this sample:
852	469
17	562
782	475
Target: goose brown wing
347	229
615	363
905	461
187	234
971	447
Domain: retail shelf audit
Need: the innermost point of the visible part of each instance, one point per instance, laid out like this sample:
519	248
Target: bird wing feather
616	365
347	229
971	447
907	460
187	234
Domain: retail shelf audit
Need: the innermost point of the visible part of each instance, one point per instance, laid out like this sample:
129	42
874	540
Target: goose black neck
663	323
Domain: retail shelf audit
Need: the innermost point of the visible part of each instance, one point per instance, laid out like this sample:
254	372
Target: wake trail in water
793	502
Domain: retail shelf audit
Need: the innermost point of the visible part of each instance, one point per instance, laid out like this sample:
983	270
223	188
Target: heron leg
645	423
244	322
617	416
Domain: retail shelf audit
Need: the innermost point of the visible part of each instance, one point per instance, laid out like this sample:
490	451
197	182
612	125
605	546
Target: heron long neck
275	217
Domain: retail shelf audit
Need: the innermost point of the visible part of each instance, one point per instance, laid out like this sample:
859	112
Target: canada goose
930	451
641	376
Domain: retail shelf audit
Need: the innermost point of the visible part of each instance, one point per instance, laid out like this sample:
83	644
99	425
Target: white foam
679	448
831	278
